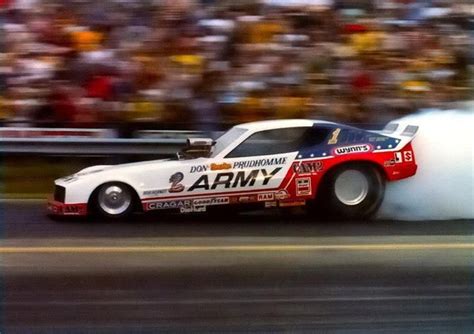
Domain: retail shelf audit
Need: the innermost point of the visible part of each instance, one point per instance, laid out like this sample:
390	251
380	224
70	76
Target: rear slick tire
353	192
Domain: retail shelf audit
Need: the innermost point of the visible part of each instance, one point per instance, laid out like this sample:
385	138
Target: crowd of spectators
201	64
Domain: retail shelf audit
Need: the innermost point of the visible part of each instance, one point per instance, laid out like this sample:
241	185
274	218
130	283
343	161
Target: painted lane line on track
235	248
242	300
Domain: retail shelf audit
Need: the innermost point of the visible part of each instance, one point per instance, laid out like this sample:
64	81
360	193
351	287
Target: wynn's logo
353	149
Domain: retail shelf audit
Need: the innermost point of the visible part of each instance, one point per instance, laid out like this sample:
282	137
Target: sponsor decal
221	166
378	139
175	180
334	135
308	167
353	149
259	163
198	169
233	199
168	204
211	201
408	156
69	179
389	163
303	186
271	204
71	209
398	157
244	199
265	197
234	179
292	203
88	172
154	192
68	209
192	209
247	199
282	194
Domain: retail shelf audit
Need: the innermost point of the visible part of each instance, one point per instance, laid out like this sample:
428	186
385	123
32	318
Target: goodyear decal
211	201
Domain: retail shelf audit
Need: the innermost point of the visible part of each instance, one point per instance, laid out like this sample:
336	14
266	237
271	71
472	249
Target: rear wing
395	129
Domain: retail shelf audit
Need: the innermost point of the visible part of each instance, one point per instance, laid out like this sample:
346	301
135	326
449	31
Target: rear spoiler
396	129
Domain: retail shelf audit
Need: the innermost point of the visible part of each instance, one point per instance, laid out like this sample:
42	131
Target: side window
350	136
271	142
315	136
345	136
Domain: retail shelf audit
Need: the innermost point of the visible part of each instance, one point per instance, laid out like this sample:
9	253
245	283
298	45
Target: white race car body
234	174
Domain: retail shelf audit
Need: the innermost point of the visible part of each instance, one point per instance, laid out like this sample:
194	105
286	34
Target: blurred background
208	64
80	69
87	82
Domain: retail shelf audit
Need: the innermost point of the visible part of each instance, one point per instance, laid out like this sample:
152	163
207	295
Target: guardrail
161	143
90	147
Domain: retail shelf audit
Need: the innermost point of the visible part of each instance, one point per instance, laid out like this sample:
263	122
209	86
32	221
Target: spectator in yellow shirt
86	40
366	41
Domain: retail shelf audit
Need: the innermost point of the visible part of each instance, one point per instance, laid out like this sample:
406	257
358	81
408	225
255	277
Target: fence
96	142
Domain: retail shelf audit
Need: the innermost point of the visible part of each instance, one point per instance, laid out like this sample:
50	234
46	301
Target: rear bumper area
56	208
401	172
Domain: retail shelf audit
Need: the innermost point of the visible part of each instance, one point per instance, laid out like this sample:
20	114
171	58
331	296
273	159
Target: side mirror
197	148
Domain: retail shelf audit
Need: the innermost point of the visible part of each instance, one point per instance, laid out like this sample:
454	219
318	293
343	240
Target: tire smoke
443	185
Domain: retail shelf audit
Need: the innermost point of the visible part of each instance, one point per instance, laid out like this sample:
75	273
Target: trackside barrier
153	134
90	147
90	142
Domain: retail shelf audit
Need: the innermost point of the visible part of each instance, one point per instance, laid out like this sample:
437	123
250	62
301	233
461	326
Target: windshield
226	139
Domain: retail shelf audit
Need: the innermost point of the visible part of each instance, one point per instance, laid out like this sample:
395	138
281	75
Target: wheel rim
351	187
114	199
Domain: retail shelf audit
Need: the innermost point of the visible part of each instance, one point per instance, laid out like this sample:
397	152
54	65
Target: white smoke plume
443	185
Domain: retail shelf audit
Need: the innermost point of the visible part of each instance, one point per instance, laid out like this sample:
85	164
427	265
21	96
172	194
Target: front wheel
353	191
114	200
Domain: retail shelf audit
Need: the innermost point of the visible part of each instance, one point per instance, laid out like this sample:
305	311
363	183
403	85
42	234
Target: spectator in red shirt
100	87
362	83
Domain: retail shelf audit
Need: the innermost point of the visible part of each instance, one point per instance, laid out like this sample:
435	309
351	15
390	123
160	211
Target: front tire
114	200
353	191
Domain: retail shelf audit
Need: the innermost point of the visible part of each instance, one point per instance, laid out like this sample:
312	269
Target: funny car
334	168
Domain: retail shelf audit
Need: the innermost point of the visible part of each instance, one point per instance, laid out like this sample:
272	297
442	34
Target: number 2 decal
175	180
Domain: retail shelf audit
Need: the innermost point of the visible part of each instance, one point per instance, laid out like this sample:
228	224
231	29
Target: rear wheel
114	200
353	191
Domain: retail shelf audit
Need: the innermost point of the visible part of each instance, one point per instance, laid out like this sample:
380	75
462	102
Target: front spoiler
56	208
